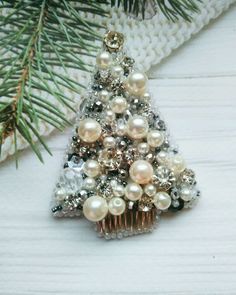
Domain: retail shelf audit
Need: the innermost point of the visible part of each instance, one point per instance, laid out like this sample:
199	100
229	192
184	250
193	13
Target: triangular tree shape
121	171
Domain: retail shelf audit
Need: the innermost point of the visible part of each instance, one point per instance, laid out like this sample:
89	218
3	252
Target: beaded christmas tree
121	172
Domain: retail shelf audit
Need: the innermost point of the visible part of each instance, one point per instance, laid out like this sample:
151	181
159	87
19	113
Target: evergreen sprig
40	40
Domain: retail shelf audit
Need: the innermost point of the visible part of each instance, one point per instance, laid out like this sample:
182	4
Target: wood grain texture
190	253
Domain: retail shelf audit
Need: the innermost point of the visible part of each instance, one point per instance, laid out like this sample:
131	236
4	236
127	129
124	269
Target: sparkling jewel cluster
120	157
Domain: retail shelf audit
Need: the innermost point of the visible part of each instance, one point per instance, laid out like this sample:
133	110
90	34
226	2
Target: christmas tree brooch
121	172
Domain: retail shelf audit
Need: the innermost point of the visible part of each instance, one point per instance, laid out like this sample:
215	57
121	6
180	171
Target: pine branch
38	37
173	10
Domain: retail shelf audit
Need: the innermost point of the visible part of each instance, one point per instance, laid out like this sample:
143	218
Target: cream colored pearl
89	130
89	183
118	190
137	127
104	95
186	194
162	200
163	158
133	191
150	189
109	142
95	208
117	71
109	116
116	206
91	168
103	60
136	83
141	172
118	104
146	96
143	148
177	164
155	138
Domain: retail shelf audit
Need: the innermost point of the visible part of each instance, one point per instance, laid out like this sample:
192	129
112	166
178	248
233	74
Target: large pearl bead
118	104
162	200
177	164
89	130
186	194
118	190
150	189
141	172
91	168
133	191
136	83
109	142
137	127
116	206
155	138
103	60
104	95
95	208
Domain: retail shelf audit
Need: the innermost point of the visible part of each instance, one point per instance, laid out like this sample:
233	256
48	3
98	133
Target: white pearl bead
163	158
116	206
60	194
118	190
89	130
162	200
118	104
137	127
117	71
186	194
89	183
136	83
95	208
109	142
177	164
91	168
103	60
109	116
143	148
150	189
121	129
146	96
133	191
141	172
155	138
104	95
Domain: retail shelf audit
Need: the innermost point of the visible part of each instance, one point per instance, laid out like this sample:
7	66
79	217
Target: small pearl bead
104	95
162	158
60	194
95	208
118	190
150	190
146	96
177	164
133	191
155	138
109	142
109	115
143	148
89	183
136	83
89	130
137	127
162	200
91	168
116	206
186	194
118	104
103	60
117	71
121	129
141	172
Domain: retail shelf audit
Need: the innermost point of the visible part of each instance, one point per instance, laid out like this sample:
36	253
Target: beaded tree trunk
121	171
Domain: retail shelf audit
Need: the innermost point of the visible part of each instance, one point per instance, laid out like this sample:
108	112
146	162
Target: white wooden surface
193	252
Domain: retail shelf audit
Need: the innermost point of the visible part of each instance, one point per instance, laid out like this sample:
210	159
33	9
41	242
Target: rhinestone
113	41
